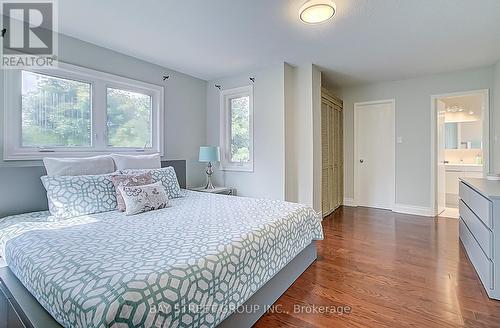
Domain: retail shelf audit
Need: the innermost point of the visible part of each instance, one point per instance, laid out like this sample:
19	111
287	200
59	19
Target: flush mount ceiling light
317	11
454	109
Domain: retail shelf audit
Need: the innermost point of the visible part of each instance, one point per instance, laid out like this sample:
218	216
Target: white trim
413	210
225	132
349	202
399	208
485	93
356	156
99	81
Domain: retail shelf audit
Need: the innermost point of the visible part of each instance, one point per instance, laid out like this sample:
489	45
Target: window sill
20	156
237	168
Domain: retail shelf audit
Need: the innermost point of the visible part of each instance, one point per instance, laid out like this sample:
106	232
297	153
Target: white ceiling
469	103
367	41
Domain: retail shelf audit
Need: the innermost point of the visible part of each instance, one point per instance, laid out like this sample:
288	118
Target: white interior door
441	168
375	154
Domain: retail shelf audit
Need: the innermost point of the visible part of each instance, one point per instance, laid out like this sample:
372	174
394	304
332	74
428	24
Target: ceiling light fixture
317	11
454	109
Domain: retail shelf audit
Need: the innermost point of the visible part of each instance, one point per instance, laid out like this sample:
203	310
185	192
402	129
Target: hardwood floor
391	270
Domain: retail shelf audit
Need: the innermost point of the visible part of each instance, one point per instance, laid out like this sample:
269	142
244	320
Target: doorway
374	154
460	145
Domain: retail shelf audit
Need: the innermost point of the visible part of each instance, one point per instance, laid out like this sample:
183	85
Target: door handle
361	161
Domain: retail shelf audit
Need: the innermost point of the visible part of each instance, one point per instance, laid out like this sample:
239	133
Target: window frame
225	129
99	82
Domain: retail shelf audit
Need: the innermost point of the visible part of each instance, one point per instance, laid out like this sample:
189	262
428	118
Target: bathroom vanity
453	173
480	229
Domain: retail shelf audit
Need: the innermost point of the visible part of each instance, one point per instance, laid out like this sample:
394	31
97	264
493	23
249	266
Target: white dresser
480	229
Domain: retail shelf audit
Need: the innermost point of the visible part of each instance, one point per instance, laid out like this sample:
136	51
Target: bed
190	265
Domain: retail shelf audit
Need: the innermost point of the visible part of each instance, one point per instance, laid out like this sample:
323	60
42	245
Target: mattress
188	265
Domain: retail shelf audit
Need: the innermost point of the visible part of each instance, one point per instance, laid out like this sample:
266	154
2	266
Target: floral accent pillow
139	199
165	175
128	180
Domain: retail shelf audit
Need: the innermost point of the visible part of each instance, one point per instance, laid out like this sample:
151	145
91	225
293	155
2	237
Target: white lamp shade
209	154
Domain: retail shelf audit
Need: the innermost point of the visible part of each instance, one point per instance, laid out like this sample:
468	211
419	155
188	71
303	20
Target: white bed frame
18	308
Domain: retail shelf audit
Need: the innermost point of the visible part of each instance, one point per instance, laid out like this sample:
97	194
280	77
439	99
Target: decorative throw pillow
79	166
139	199
166	176
124	162
71	196
127	180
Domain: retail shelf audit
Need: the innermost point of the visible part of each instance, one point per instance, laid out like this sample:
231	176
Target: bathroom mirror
463	135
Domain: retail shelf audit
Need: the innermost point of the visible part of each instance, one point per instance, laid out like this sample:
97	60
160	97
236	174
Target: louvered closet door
336	160
339	155
330	190
332	165
332	155
325	177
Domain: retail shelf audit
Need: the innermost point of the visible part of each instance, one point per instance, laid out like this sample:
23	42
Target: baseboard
400	208
349	202
414	210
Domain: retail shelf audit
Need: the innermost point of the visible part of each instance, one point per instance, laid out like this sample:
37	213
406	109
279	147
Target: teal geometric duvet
189	265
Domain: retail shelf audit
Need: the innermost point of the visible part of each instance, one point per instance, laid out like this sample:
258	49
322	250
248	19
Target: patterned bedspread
189	265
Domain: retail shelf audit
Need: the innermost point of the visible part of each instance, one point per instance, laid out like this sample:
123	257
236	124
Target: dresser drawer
481	206
483	265
481	233
463	192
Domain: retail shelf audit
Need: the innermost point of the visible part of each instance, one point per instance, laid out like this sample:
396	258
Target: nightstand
217	190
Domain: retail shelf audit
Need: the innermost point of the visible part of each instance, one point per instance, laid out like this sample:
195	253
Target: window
237	129
55	112
129	118
71	111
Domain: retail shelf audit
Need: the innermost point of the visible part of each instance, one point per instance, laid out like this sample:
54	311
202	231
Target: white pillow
125	162
79	166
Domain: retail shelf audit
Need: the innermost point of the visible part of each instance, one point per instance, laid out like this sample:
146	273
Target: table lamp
209	154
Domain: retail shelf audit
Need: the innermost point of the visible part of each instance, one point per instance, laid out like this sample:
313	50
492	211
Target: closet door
332	154
338	156
325	150
329	185
332	160
340	153
335	170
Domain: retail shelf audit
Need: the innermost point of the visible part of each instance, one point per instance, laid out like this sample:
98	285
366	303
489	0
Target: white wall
413	100
192	119
316	113
287	134
303	134
292	136
267	179
185	115
300	146
495	118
